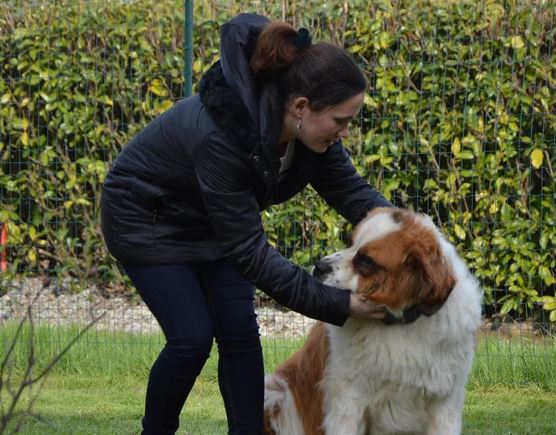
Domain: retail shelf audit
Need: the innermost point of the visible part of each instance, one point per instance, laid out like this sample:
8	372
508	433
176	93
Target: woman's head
321	84
323	73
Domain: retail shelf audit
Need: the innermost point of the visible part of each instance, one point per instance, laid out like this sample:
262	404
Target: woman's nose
343	133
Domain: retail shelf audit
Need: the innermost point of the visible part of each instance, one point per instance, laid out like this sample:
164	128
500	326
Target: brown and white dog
368	377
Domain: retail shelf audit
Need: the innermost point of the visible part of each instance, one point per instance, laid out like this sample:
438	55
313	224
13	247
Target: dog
405	374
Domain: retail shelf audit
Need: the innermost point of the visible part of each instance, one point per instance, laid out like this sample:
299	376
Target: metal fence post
188	49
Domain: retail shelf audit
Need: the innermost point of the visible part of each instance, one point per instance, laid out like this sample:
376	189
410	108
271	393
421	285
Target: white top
287	159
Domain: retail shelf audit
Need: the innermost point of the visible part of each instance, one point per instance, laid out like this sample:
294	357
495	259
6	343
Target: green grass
515	362
98	387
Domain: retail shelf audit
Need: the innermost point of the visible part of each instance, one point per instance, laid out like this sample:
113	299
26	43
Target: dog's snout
322	269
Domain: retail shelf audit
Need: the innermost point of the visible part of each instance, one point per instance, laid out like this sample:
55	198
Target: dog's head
395	261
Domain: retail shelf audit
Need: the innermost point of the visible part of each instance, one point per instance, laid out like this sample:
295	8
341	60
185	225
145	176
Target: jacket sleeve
235	217
339	184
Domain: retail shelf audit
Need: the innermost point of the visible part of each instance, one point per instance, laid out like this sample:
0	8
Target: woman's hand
361	308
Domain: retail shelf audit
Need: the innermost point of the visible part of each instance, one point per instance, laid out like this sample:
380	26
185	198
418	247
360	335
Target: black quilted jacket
191	185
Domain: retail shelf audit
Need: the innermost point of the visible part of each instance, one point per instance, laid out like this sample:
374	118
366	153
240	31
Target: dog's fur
371	378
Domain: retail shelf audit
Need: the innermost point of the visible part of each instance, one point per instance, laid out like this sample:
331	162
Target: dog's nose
322	269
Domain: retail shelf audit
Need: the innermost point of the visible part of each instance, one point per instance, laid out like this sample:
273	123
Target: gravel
55	304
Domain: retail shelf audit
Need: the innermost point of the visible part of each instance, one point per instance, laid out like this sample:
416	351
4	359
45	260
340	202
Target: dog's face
395	261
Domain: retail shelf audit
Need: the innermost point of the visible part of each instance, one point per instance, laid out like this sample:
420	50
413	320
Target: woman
181	208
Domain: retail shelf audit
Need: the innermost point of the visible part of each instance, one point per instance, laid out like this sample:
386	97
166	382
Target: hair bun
303	38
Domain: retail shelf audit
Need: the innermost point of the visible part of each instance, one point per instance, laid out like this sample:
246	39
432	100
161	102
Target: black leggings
195	304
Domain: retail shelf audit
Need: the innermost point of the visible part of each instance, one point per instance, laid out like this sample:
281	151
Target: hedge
459	122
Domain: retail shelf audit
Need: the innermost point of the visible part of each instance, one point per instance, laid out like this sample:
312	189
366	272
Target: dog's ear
433	278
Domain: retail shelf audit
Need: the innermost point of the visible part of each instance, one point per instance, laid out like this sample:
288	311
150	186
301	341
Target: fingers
378	314
360	307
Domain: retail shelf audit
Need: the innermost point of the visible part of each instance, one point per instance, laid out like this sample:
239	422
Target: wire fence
459	122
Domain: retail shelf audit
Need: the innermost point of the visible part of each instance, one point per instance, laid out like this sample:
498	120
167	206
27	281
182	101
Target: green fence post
188	49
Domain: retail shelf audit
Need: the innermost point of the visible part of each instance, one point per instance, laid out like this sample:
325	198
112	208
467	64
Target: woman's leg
175	297
240	363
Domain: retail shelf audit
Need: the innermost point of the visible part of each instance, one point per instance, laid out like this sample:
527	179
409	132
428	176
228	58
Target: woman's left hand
360	307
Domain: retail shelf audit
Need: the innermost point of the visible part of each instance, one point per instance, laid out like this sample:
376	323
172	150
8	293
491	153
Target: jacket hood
230	92
238	38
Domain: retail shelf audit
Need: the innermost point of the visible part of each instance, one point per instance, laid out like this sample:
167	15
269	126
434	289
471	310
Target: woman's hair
323	73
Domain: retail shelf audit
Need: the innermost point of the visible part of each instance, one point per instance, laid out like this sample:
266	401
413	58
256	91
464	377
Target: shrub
459	122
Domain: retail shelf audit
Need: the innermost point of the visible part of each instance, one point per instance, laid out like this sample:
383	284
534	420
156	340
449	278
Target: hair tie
303	38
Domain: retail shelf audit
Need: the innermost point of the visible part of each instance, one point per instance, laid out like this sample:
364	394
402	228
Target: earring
299	125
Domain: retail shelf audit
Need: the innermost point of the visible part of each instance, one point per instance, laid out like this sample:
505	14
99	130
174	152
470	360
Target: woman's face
321	129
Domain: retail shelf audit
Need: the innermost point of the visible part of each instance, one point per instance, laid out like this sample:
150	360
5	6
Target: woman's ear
298	105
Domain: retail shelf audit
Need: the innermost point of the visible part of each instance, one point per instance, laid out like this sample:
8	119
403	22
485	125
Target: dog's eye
365	263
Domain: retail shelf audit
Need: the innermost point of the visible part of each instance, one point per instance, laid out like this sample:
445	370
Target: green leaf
544	240
459	231
20	124
32	233
517	42
32	256
47	98
164	105
384	40
157	88
537	158
369	101
507	306
107	100
456	145
466	155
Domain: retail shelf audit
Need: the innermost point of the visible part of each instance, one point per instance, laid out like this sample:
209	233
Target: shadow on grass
85	424
488	411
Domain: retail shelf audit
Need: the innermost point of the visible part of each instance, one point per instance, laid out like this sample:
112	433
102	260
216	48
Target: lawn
98	387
